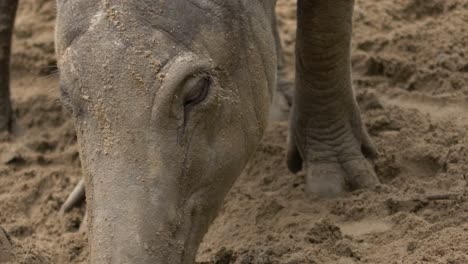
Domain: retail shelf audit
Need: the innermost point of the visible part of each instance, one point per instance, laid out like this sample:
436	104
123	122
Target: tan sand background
411	79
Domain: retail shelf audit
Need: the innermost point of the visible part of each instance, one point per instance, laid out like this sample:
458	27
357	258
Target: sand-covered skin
411	79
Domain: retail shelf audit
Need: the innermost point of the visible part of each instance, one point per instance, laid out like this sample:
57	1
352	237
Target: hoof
325	180
360	174
328	180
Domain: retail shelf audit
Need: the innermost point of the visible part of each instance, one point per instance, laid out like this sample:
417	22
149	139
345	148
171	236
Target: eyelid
177	70
197	94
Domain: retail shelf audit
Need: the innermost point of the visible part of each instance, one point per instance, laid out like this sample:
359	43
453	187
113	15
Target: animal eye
199	87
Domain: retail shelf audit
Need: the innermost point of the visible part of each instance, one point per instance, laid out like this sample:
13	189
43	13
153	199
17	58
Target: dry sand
411	78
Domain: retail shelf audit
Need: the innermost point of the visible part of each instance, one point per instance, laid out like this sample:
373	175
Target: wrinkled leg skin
7	18
284	88
327	138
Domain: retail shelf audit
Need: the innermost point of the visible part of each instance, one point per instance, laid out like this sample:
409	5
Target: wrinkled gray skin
171	98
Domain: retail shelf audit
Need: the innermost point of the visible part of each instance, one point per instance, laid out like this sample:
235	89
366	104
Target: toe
325	180
360	174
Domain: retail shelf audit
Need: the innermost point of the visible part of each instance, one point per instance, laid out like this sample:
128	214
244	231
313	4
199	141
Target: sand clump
410	75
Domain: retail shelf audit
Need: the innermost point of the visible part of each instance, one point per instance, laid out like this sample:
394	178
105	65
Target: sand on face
410	76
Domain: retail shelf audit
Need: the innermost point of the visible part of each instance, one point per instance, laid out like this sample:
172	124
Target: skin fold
171	98
327	138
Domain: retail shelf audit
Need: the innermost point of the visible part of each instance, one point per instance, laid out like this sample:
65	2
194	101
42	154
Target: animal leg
284	87
327	137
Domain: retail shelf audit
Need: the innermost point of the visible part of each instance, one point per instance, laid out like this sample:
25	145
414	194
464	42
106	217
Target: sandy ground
411	78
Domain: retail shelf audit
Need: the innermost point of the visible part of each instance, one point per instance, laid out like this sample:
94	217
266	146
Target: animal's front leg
327	137
7	18
284	87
